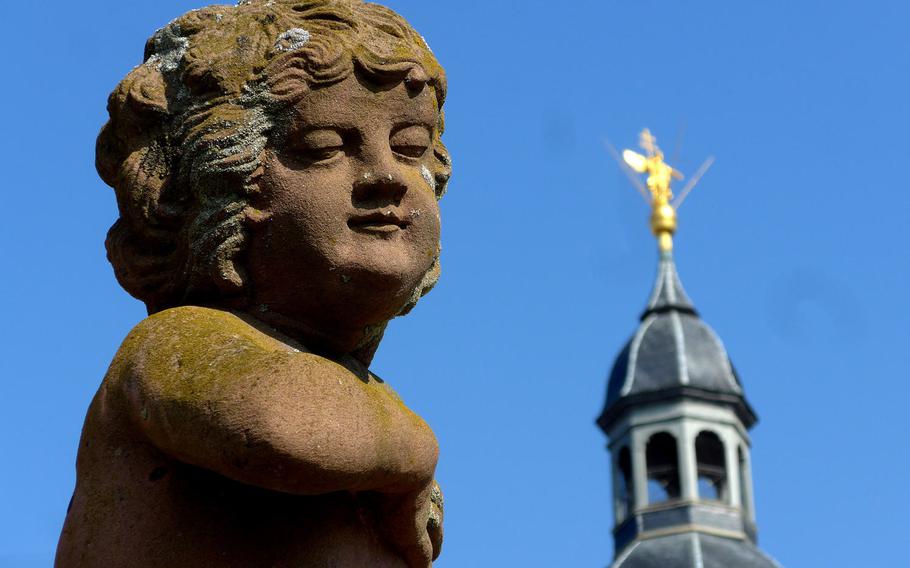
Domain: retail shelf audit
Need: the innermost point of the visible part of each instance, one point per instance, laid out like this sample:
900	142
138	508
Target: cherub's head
280	156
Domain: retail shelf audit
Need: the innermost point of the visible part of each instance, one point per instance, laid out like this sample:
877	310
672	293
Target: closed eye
318	146
412	151
323	154
412	141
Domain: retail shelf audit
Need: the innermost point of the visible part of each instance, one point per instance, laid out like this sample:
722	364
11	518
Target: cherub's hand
434	523
412	523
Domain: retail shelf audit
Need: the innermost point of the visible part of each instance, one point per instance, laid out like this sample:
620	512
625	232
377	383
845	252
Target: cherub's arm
207	389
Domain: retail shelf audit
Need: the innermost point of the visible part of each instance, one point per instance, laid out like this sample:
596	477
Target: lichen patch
292	39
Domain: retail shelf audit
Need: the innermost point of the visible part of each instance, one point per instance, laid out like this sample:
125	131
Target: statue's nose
375	189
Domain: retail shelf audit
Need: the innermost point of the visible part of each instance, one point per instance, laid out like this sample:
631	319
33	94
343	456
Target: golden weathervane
658	192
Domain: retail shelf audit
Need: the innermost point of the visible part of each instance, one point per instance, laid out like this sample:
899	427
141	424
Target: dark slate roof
692	550
673	353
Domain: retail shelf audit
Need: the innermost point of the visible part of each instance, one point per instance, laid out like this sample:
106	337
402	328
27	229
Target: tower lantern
677	420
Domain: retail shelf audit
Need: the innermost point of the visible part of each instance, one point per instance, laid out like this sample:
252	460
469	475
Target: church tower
677	421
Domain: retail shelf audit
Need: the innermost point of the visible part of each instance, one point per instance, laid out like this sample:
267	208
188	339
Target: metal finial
660	175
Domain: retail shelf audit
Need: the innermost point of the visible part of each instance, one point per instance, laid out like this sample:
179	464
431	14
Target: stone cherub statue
277	167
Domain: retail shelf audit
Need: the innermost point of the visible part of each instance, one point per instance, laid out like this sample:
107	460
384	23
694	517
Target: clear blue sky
794	248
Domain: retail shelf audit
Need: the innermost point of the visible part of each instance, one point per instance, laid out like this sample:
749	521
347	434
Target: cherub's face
354	222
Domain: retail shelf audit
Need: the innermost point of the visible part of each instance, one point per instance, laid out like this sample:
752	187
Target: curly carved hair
188	127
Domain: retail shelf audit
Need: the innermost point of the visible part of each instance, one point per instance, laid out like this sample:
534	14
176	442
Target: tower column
731	459
688	479
639	470
614	476
749	500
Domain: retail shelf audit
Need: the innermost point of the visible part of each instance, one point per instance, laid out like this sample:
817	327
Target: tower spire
668	292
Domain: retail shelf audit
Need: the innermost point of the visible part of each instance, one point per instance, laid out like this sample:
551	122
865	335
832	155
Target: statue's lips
380	222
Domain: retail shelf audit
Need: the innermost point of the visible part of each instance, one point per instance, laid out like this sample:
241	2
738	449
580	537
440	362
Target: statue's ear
256	213
219	260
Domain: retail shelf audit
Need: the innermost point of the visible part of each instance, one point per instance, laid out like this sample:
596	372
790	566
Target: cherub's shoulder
193	337
186	324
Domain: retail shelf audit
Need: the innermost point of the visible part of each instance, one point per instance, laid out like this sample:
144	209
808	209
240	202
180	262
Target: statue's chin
336	303
375	296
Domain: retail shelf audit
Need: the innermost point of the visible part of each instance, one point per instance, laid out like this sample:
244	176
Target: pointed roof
668	292
674	353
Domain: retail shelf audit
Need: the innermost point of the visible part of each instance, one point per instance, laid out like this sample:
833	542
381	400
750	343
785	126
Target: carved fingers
403	520
434	522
